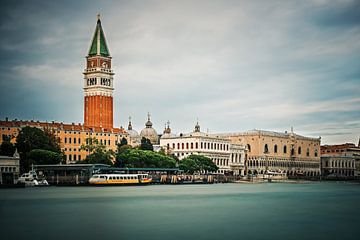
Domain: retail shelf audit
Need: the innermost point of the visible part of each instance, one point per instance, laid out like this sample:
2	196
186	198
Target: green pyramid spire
98	44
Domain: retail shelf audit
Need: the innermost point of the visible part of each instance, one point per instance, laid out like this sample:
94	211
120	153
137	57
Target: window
307	152
316	153
285	149
249	147
182	145
168	146
299	150
266	149
178	145
275	148
69	140
79	140
74	157
79	157
65	140
109	142
69	157
74	140
196	145
191	145
173	145
187	145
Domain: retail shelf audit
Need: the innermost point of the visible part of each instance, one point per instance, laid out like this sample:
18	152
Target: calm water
232	211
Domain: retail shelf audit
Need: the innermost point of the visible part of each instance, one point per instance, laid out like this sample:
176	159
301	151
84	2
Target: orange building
98	108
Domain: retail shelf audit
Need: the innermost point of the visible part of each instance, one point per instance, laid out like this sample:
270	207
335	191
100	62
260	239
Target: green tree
146	144
30	138
40	156
7	149
197	163
98	152
143	159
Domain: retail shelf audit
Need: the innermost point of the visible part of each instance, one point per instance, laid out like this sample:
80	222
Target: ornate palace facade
286	152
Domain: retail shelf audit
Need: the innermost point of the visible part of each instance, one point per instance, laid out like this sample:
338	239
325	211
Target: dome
167	131
149	132
132	133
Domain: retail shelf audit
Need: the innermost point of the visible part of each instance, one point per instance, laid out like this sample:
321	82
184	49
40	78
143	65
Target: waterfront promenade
315	210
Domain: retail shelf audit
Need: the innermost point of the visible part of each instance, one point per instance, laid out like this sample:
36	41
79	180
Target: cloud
236	65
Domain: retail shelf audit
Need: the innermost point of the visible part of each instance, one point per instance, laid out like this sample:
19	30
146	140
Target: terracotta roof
59	126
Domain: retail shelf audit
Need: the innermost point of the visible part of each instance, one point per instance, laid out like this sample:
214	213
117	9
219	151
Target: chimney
6	119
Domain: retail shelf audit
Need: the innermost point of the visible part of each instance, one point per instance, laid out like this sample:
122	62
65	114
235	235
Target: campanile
98	83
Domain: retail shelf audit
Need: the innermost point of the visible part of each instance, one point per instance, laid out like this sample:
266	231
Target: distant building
134	137
149	132
340	161
9	169
230	158
71	136
274	151
98	107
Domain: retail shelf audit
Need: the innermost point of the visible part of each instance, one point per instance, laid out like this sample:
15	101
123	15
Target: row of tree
36	146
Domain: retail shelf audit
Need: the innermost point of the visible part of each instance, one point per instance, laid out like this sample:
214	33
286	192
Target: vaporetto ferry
120	179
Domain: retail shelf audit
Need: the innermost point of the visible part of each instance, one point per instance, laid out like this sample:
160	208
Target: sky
233	65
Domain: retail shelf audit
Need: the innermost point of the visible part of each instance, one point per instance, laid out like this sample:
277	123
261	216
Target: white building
230	158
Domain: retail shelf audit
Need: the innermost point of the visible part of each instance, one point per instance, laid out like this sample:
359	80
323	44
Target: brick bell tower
98	83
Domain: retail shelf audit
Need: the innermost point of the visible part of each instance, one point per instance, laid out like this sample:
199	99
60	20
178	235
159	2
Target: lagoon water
319	210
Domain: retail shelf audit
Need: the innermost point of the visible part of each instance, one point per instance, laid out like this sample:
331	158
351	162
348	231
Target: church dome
149	132
132	133
167	131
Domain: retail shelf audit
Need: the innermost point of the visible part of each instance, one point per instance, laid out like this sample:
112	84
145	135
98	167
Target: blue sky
234	65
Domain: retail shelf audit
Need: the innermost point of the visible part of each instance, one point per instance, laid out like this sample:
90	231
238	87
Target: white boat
30	179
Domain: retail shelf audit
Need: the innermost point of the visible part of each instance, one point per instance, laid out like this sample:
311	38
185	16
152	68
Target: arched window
285	149
249	147
178	145
299	150
173	145
316	153
187	145
275	148
182	145
266	149
191	145
307	152
196	145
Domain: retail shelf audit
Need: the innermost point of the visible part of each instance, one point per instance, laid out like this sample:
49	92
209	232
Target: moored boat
120	179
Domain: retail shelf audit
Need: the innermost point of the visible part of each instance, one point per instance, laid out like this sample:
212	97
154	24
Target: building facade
230	158
9	169
340	160
281	152
98	108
